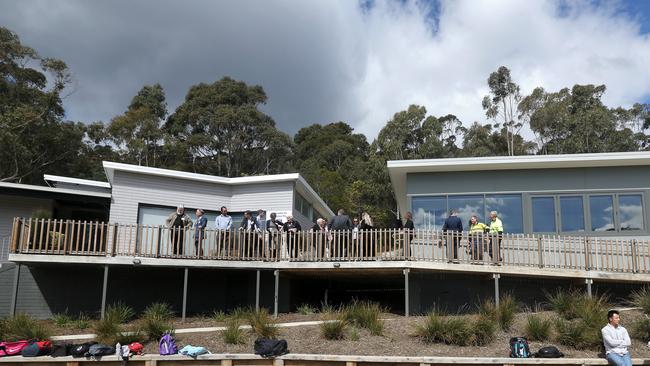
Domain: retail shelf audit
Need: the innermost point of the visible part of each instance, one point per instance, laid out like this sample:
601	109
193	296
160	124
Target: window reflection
630	212
572	214
429	213
543	214
467	206
601	209
509	209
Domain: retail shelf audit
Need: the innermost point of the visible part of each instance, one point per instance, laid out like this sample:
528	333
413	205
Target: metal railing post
634	250
114	240
540	249
587	254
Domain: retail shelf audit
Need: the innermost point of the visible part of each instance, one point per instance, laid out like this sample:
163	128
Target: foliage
262	325
564	303
582	318
641	329
538	328
62	319
641	298
504	314
484	330
119	312
23	326
158	311
219	315
306	309
234	334
82	322
365	314
154	327
354	334
449	330
577	334
242	312
333	330
108	329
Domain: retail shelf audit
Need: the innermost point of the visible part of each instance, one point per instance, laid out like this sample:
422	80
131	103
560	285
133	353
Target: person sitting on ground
452	228
476	230
616	341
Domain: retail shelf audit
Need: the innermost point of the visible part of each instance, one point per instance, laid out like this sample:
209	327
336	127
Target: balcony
607	258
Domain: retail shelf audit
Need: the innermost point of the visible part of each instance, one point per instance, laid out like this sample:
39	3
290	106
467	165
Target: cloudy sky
326	61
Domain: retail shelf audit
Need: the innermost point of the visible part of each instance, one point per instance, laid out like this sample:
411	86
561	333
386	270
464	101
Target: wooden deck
606	258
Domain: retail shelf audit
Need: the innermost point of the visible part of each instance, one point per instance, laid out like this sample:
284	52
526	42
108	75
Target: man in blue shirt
453	228
199	231
223	223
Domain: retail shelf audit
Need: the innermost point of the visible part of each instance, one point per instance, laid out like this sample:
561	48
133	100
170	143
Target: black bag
80	350
549	352
61	350
270	347
99	350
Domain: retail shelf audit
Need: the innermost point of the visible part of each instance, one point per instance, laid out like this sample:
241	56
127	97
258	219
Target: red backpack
12	348
136	348
37	348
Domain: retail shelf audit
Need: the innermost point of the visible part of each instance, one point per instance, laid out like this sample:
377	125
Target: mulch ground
397	340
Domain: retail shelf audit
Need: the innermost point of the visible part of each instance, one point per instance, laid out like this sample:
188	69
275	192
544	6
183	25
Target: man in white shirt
616	341
223	223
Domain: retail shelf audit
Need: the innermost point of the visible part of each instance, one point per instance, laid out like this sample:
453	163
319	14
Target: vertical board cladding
305	222
16	206
7	272
272	197
130	190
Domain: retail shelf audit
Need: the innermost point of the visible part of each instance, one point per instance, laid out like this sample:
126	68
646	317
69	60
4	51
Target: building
133	196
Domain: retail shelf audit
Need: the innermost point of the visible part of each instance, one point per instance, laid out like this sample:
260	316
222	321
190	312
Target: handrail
84	238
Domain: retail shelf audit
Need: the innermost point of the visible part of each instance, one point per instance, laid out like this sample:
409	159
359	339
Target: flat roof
81	182
33	188
398	169
111	167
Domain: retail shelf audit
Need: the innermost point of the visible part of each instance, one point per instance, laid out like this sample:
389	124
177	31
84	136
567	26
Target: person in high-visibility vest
496	230
476	232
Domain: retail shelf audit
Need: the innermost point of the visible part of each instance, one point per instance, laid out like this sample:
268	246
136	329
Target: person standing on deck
409	231
453	227
199	231
223	223
496	233
178	221
341	228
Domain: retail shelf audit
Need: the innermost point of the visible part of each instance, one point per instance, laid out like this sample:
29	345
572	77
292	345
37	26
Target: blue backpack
193	351
167	345
519	347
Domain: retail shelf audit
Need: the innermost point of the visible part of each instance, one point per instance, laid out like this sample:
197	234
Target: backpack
80	350
35	349
167	345
271	347
12	348
519	347
136	348
193	351
549	352
99	350
61	350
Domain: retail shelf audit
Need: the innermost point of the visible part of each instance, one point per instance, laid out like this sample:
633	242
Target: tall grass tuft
504	314
233	334
484	330
564	302
641	329
119	312
159	311
23	326
365	314
306	309
538	328
262	325
82	322
62	319
219	316
333	330
242	312
454	330
108	330
641	298
577	334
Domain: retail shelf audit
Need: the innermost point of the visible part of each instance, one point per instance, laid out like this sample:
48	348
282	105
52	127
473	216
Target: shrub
433	329
119	312
592	310
128	337
154	328
82	322
365	315
459	331
504	314
354	334
219	316
262	325
23	326
306	309
641	299
233	334
158	311
333	330
242	313
564	303
62	319
108	329
538	328
577	334
484	330
641	329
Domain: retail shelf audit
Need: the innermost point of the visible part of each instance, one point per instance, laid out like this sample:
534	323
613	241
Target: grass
233	334
108	329
62	319
484	330
82	322
538	328
219	316
158	311
577	334
457	330
504	314
242	312
564	302
306	309
640	329
354	334
119	312
364	315
23	326
641	298
333	330
262	325
154	328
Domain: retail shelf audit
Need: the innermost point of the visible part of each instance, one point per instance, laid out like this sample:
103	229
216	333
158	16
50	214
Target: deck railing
67	237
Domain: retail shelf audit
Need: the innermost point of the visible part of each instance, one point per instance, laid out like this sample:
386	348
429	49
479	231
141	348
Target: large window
509	210
466	207
630	211
572	214
429	213
601	211
543	214
303	206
